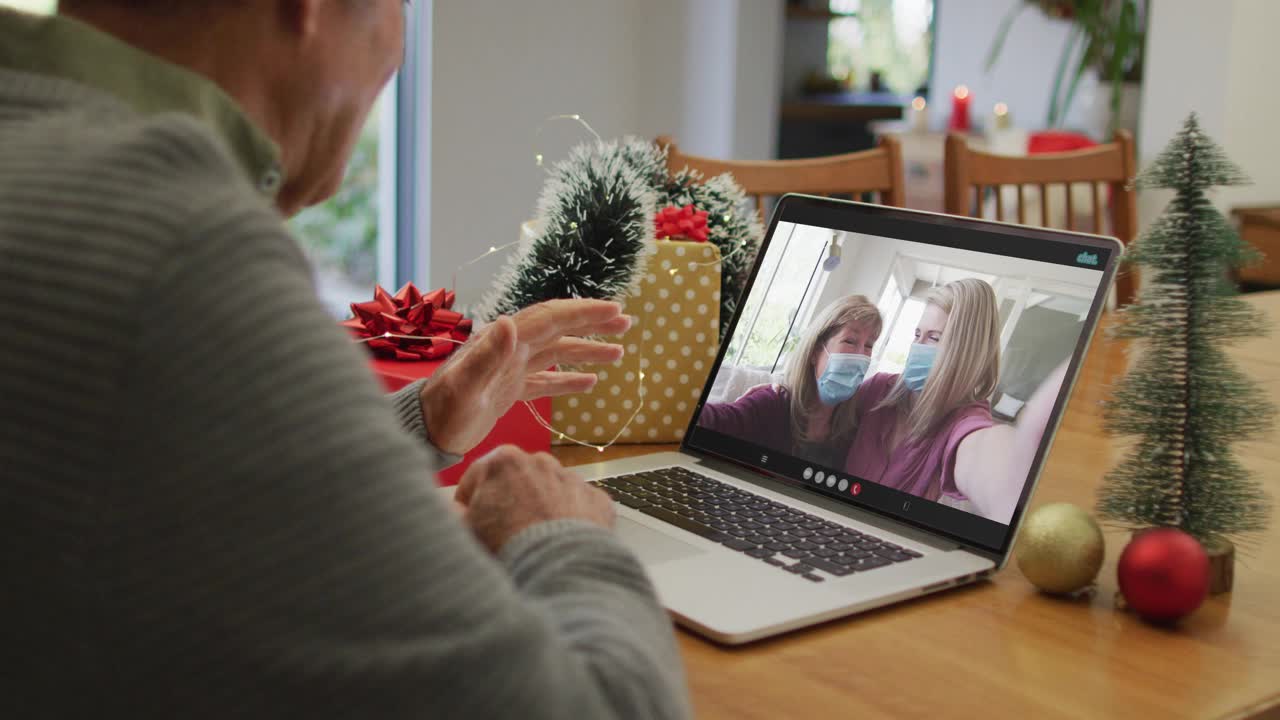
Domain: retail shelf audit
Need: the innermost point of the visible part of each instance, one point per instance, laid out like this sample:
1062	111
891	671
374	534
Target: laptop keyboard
803	544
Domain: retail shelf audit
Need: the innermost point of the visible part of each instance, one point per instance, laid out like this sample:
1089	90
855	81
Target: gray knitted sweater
207	508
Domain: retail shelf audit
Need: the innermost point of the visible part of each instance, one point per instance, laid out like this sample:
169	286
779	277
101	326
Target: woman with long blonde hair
928	431
810	414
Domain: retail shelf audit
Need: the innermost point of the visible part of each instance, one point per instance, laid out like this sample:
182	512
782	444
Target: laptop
748	533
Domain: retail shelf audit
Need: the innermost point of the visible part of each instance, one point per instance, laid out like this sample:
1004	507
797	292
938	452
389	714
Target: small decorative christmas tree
1183	399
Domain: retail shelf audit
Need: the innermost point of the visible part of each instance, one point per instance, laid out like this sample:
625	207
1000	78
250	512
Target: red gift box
517	427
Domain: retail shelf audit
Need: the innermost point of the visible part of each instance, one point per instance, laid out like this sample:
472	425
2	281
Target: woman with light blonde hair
928	431
809	414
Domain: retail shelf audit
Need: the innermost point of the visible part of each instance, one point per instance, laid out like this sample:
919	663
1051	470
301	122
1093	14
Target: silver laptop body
734	597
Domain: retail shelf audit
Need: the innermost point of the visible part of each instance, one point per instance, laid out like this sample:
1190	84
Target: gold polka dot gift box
648	396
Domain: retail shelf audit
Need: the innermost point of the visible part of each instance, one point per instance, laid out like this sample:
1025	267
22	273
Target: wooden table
1001	649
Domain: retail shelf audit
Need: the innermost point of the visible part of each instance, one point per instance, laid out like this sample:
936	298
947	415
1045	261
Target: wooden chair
878	170
1111	165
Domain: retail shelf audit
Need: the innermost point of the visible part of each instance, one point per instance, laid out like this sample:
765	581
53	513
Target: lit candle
1002	120
960	109
919	115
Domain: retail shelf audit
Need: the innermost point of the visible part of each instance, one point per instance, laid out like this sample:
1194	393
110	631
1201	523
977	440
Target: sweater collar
70	50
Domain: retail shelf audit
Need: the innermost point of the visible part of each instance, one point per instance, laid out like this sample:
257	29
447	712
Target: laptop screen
908	363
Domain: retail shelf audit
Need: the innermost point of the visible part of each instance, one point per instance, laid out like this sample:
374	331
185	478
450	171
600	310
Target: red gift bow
428	319
685	222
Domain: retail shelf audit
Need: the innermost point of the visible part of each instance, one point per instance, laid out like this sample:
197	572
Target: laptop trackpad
652	546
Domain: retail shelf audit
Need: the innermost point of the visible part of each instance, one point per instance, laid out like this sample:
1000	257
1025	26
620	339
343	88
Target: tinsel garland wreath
595	227
594	218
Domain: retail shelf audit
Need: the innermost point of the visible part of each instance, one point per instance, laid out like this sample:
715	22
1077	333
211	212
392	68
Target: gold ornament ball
1060	548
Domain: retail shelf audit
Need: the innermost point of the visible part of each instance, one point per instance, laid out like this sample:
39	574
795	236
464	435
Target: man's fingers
491	351
481	469
467	485
611	328
551	384
547	321
604	505
505	360
547	464
576	351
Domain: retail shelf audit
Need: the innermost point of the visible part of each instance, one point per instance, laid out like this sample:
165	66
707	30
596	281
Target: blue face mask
842	377
919	364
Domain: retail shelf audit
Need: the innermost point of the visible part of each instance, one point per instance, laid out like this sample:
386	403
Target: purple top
925	468
763	416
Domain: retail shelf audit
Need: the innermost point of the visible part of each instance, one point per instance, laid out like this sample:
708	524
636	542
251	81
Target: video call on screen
883	362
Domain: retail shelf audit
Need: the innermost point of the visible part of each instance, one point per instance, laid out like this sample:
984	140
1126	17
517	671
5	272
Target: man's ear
300	18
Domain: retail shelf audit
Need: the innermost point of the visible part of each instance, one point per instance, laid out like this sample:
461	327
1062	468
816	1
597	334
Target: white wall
705	71
864	268
1253	102
695	84
867	260
1228	80
757	79
1023	76
1177	81
499	69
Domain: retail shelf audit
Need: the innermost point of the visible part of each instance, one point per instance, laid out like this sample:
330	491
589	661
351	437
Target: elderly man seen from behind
209	509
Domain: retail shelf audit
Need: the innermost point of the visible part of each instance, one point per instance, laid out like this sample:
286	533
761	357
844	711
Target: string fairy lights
537	135
494	249
538	157
693	266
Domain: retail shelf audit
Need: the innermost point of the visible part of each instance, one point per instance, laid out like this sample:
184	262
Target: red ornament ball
1164	574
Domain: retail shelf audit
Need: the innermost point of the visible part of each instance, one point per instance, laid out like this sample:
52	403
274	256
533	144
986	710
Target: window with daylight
772	315
900	332
893	38
42	7
365	233
890	305
351	238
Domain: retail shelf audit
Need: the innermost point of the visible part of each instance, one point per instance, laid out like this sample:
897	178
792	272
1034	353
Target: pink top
925	468
763	416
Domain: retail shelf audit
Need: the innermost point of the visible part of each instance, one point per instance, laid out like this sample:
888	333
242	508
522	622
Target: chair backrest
878	171
1111	165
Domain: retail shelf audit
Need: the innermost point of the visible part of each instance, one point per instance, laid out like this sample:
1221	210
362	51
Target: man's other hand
509	490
